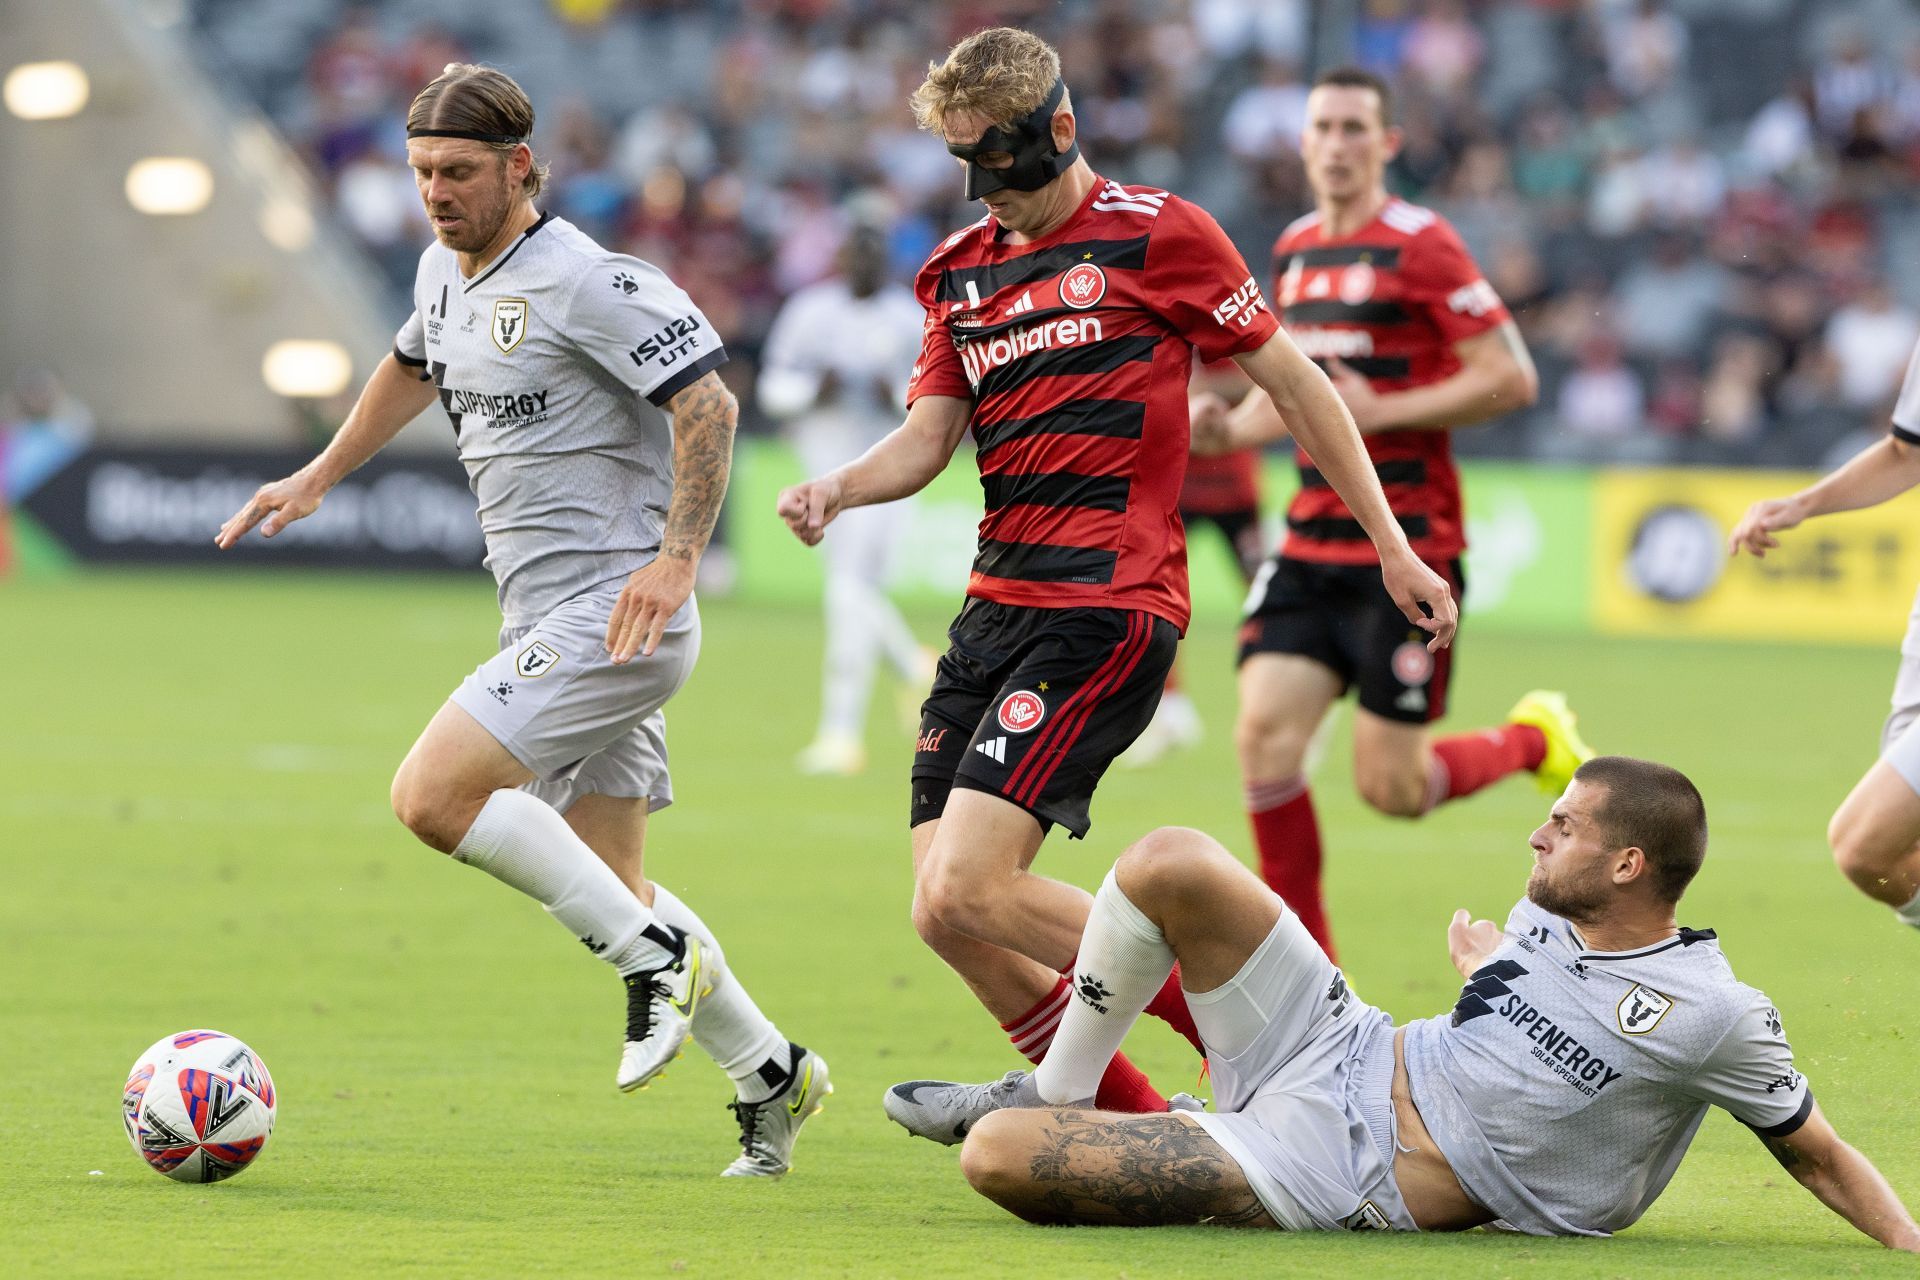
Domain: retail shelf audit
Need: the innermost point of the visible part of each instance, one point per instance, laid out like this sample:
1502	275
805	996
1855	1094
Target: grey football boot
944	1112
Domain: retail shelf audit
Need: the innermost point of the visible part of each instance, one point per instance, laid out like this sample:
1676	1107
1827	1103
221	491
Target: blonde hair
477	99
1001	73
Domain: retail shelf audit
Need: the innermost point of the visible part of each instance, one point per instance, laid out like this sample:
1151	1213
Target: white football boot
660	1008
767	1129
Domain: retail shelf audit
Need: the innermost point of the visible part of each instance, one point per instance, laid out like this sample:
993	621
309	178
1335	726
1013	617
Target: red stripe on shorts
1057	739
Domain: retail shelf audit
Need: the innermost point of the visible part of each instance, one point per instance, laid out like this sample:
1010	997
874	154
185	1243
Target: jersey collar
512	249
1685	938
996	232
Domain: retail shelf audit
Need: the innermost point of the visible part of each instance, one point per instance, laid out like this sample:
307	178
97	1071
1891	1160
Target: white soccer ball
198	1106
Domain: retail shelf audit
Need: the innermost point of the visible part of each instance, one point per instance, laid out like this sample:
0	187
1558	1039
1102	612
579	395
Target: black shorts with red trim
1241	528
1033	704
1341	616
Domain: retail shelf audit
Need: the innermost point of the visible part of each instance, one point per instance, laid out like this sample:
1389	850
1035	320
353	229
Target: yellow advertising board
1660	564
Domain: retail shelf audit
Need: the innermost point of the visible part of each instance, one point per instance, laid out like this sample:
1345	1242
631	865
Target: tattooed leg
1102	1168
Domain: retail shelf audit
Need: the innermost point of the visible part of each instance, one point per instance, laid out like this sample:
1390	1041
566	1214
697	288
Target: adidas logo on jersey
995	749
1024	304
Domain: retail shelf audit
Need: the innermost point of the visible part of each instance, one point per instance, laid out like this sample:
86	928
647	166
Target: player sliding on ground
1556	1098
1875	834
1060	329
555	360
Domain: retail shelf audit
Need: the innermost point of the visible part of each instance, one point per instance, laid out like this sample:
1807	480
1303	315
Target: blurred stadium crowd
1701	211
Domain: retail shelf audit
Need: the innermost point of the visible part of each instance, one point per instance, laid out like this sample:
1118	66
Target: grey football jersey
1906	411
1567	1083
552	364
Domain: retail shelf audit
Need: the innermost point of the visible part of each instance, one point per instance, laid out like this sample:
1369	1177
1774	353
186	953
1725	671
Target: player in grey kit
554	360
1557	1098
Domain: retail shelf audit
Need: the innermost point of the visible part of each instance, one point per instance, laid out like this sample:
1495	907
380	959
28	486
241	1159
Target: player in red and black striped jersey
1060	330
1417	343
1222	490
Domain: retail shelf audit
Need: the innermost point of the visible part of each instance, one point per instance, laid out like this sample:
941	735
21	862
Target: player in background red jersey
1060	330
1417	343
1222	490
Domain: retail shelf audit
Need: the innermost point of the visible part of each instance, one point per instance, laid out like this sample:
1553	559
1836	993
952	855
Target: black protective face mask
1029	140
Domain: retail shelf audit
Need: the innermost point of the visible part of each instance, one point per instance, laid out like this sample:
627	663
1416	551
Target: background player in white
1557	1098
554	358
836	366
1875	833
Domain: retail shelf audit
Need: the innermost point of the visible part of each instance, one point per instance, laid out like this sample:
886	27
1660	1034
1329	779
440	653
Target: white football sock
1910	914
728	1024
520	840
1124	959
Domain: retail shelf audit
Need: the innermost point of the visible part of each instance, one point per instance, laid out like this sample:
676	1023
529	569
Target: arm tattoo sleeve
704	416
1146	1171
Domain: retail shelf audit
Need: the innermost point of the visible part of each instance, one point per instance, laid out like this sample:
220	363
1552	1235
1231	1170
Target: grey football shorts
1900	736
553	698
1303	1076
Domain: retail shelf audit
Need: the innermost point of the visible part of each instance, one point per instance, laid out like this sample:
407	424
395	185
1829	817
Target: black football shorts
1341	616
1032	705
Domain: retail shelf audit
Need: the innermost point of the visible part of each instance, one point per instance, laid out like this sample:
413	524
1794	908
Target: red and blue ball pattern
199	1106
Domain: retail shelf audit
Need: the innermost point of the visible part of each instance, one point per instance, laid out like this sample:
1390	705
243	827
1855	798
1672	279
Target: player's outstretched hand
1207	412
1763	519
273	507
1470	941
1412	584
653	594
809	508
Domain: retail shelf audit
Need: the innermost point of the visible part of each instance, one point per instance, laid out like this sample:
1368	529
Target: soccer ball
198	1106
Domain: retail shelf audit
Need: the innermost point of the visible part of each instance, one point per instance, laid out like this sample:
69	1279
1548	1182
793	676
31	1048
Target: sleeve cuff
409	362
1905	436
686	377
1791	1123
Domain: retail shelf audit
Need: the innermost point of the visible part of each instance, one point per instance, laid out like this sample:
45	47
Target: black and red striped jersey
1222	484
1076	351
1388	300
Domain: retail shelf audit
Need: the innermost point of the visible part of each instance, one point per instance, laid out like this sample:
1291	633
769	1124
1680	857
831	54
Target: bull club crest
509	322
1641	1009
1083	285
535	660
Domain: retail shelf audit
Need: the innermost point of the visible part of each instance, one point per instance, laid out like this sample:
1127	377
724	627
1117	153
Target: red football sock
1169	1005
1287	836
1467	762
1123	1088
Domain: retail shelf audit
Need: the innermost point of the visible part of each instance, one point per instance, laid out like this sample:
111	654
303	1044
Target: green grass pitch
194	832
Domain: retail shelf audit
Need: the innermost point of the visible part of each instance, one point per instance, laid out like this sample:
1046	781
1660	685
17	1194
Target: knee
1395	793
1167	863
1270	745
993	1160
424	810
928	925
951	902
1860	855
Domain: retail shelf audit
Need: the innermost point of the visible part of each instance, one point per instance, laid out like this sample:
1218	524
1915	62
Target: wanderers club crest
509	322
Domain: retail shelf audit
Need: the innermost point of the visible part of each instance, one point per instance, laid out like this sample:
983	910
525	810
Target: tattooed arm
704	415
1094	1168
1845	1181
